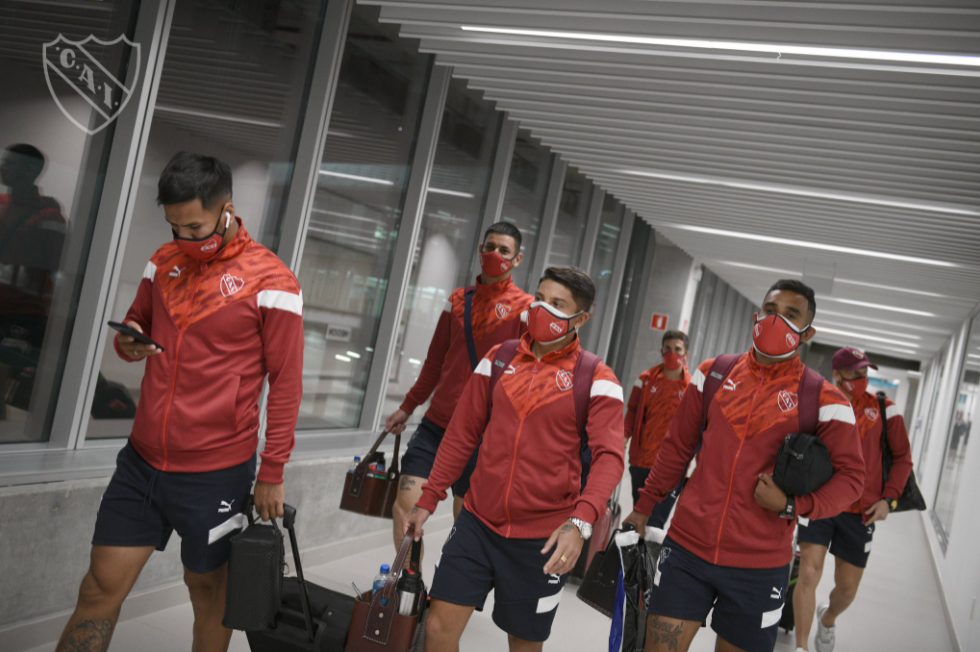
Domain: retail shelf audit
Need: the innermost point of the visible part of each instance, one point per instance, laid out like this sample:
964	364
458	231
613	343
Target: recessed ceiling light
740	46
354	177
879	306
861	336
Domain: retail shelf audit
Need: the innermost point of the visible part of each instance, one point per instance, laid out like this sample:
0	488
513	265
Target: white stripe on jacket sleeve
280	300
836	412
607	388
484	368
150	271
892	411
698	380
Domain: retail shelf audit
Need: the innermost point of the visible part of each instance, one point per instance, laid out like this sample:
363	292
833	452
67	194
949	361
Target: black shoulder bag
911	498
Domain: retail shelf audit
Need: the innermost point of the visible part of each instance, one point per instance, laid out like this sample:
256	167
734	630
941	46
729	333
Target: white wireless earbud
227	218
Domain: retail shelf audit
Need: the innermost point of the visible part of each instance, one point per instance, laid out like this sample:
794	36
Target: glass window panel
51	175
449	233
357	214
627	311
525	196
603	260
573	215
966	410
234	82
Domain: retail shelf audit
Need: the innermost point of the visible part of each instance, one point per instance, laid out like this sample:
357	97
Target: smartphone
129	330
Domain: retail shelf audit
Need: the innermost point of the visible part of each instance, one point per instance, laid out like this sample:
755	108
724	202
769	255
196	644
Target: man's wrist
789	511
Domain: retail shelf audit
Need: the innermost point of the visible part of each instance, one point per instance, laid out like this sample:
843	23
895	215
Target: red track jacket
225	324
866	413
528	477
717	517
497	312
651	408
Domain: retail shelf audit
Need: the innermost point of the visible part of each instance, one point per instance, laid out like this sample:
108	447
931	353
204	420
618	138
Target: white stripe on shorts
234	523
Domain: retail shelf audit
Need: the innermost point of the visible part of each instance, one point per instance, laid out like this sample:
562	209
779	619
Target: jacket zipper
517	440
173	376
731	479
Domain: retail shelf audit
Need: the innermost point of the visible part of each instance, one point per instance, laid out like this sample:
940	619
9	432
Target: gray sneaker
825	639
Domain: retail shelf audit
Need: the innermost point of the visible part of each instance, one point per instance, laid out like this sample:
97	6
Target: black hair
191	176
577	281
505	228
676	335
800	288
33	154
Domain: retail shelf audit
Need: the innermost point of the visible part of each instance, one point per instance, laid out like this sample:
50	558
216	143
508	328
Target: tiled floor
897	608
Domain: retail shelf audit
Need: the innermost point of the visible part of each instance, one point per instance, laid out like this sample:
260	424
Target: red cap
851	359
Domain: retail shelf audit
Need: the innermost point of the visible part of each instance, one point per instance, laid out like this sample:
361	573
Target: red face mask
856	387
776	337
673	360
204	249
494	265
546	324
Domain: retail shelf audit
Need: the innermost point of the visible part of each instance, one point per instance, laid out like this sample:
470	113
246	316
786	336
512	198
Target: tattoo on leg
661	632
406	483
88	636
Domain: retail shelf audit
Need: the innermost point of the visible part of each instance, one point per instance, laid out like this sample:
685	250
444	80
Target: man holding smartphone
227	313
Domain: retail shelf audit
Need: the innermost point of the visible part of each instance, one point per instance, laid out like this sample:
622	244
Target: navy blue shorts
845	535
421	455
638	477
142	506
747	602
476	560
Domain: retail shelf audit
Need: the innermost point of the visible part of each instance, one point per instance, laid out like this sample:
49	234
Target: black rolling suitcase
311	618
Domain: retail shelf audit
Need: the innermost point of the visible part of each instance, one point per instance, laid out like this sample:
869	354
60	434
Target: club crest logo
791	339
557	328
786	400
231	285
210	246
564	380
502	311
871	413
70	70
858	353
664	554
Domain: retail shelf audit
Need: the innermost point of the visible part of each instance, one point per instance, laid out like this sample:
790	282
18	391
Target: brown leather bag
364	494
376	625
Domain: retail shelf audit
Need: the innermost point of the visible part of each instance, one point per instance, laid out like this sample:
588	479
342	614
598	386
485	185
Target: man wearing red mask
493	307
228	314
848	535
541	410
730	541
653	401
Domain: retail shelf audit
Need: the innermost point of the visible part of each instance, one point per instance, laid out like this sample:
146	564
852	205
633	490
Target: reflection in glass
601	270
233	86
50	182
966	410
449	233
525	196
573	216
357	213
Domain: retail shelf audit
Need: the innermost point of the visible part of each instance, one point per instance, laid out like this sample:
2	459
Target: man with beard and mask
730	542
653	402
848	535
228	314
495	306
542	411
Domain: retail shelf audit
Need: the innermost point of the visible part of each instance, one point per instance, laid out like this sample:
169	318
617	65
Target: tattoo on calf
659	631
88	636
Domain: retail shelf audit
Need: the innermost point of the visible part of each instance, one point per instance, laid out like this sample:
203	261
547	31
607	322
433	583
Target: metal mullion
616	285
110	232
500	173
408	234
556	184
592	224
313	133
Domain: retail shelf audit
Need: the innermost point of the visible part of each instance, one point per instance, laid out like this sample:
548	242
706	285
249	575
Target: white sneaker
825	638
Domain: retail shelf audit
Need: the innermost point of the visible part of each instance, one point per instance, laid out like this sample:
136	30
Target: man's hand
769	495
639	521
269	498
132	347
395	424
567	542
416	517
877	512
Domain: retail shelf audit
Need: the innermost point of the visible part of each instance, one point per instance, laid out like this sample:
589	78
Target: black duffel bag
256	566
802	464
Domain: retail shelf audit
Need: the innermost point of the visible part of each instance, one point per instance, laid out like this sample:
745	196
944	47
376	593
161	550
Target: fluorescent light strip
452	193
354	177
869	338
739	46
971	355
803	192
836	280
893	333
809	245
879	306
938	332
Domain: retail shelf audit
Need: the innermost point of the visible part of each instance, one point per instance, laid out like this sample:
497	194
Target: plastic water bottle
379	581
357	460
